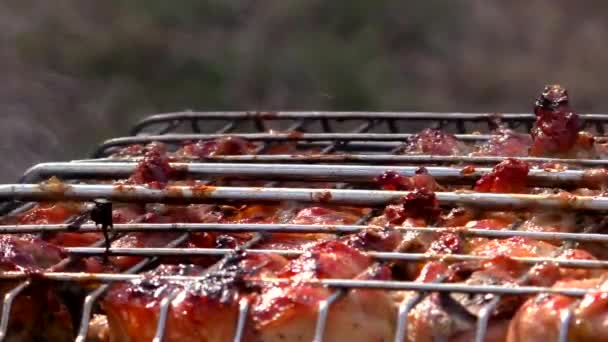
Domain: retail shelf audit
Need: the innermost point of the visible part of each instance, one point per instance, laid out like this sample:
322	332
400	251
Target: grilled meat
38	314
433	141
555	131
505	143
289	312
539	318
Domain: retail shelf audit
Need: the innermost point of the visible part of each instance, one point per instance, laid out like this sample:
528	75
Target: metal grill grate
372	145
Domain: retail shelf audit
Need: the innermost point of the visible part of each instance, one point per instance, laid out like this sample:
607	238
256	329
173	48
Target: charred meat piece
204	310
509	176
435	142
555	131
419	204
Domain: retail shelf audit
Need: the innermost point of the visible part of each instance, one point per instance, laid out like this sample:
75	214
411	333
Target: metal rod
203	194
565	317
323	312
242	320
406	306
302	172
7	303
381	256
391	158
301	228
330	283
427	116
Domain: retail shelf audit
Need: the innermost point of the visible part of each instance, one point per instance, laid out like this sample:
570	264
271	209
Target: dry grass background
76	72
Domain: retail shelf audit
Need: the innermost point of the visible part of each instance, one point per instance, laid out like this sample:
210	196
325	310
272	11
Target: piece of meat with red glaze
539	318
453	317
325	216
374	239
555	131
419	207
37	314
224	146
133	308
288	312
153	170
437	318
505	143
50	213
393	181
434	142
509	176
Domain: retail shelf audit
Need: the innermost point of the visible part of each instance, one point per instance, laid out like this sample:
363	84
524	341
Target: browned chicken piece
289	312
539	318
205	310
442	316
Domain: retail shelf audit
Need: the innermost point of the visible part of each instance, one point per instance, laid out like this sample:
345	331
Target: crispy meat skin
132	308
539	318
433	141
434	318
289	312
509	176
555	131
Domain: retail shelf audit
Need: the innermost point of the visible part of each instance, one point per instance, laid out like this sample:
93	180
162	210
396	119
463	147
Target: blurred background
76	72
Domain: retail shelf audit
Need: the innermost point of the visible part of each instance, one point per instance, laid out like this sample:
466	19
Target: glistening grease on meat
435	142
393	181
509	176
555	131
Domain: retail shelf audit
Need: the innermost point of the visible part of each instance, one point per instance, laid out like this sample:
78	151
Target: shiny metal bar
323	312
302	172
7	303
202	194
276	137
404	309
242	320
427	116
380	256
301	228
565	317
391	158
330	283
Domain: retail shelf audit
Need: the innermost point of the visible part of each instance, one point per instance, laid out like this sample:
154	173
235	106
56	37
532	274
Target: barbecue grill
353	148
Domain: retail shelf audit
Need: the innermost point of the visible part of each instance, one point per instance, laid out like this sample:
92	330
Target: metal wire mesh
162	128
